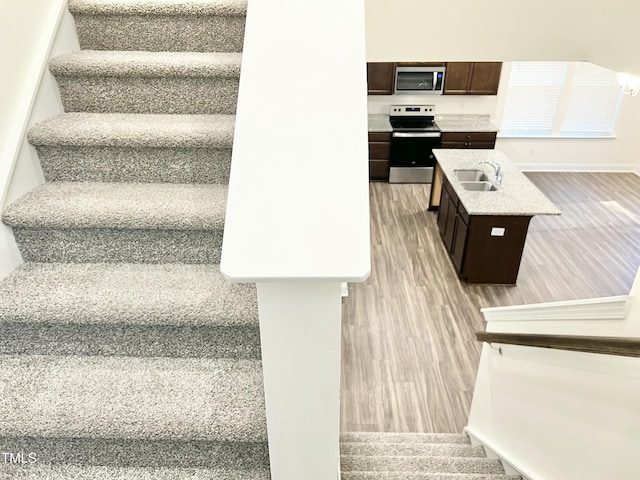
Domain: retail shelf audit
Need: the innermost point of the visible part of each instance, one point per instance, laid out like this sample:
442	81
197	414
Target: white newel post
300	337
297	222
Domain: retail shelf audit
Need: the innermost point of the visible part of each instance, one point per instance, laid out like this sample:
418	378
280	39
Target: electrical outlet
532	151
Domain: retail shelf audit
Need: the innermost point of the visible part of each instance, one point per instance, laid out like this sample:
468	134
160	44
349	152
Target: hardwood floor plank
409	350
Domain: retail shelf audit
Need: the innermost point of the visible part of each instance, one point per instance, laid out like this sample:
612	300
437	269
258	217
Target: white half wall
559	414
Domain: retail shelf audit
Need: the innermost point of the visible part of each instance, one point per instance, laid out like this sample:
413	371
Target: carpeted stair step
404	449
422	464
83	222
424	476
170	310
121	147
160	25
133	411
132	398
391	437
147	82
415	456
67	472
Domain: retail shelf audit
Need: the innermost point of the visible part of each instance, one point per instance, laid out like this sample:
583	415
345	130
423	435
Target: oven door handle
416	134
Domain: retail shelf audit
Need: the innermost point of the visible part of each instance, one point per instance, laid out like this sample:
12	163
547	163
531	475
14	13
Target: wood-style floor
409	350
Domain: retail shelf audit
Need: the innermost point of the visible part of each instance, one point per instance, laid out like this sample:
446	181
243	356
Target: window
532	97
560	99
593	101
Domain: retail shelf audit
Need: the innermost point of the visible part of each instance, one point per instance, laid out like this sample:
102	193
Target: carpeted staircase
123	352
416	456
124	355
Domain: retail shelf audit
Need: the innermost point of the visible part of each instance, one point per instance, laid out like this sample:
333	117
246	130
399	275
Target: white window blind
594	98
532	97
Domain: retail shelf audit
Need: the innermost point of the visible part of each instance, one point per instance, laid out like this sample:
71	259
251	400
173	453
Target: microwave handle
435	80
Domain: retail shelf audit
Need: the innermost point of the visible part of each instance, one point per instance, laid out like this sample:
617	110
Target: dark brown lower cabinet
459	243
484	249
469	140
379	147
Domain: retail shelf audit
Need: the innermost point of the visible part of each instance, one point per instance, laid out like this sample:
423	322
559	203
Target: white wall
20	26
600	31
621	153
27	40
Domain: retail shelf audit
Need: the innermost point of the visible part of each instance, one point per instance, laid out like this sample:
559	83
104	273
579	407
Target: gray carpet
148	82
124	354
181	295
73	396
136	206
415	456
113	147
123	222
203	26
66	472
411	438
134	130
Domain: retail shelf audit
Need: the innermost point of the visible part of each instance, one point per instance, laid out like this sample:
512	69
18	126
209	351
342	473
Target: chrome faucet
496	167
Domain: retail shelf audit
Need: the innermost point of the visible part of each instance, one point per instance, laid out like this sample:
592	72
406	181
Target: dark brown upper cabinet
380	78
472	78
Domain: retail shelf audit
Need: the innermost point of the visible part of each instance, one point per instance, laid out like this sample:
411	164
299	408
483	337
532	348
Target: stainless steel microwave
419	80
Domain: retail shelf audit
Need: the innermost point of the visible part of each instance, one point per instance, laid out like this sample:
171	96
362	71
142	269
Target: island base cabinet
493	249
484	249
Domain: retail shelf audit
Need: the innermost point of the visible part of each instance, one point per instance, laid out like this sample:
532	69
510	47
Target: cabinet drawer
379	150
378	170
469	137
479	145
379	136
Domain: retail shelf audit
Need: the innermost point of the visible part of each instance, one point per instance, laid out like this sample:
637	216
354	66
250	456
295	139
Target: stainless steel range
414	136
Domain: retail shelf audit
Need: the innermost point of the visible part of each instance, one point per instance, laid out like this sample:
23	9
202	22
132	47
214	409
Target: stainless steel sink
471	175
479	186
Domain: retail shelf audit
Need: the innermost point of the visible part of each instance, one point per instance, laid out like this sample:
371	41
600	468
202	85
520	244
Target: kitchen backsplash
445	104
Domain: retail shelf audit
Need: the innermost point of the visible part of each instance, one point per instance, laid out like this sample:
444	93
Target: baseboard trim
9	155
511	467
583	168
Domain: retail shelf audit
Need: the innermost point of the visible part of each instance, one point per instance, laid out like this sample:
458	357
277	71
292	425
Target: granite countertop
447	123
517	195
379	123
465	123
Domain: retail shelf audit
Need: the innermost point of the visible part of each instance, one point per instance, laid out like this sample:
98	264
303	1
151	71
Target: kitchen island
484	208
